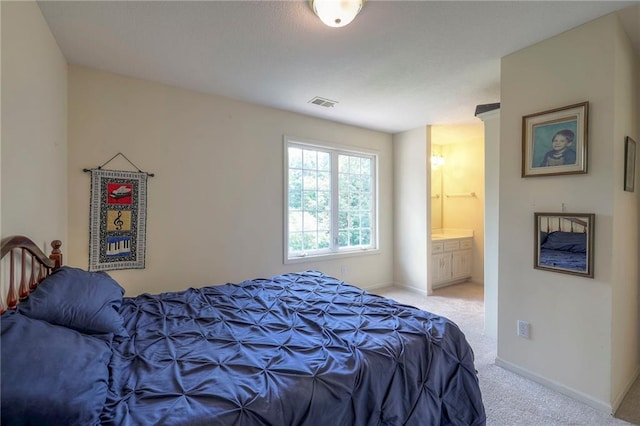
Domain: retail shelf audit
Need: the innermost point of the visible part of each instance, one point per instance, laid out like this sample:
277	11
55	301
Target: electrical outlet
343	270
524	329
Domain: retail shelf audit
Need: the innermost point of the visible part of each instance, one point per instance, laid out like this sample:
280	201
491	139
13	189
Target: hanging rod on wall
461	195
123	156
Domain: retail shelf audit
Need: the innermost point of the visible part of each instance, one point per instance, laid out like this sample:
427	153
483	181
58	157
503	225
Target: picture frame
629	164
554	142
564	242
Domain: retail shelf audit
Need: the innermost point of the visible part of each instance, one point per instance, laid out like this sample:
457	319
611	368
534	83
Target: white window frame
334	251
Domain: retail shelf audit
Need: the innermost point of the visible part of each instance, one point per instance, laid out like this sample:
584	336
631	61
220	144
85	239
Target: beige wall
572	318
412	214
625	325
215	205
34	127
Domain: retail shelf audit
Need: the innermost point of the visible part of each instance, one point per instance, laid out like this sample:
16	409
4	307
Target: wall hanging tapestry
118	220
117	235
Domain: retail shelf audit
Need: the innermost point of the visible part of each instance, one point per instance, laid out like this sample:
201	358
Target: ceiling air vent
327	103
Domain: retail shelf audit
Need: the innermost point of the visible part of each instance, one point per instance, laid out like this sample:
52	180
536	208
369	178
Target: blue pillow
51	375
574	242
74	298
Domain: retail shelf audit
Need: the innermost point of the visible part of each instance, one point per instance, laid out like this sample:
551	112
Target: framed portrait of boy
554	142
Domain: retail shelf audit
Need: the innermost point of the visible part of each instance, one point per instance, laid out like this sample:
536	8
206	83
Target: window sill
331	256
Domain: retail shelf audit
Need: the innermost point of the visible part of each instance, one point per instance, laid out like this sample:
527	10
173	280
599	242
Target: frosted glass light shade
336	13
437	161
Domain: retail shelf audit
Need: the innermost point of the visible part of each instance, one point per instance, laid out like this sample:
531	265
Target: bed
295	349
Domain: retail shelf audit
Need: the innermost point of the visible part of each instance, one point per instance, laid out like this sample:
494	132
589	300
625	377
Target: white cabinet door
461	267
441	265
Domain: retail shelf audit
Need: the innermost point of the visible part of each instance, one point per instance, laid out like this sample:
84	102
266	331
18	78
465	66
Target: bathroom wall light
336	13
437	161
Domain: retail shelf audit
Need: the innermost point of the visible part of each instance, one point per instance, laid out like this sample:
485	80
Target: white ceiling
399	65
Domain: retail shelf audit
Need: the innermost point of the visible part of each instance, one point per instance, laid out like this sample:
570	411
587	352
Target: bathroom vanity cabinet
450	260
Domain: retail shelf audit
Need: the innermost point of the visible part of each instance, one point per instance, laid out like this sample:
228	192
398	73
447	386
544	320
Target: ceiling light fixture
336	13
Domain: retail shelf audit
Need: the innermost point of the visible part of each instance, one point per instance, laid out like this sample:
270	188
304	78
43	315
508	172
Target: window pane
295	200
365	166
295	221
295	179
310	241
324	240
295	241
343	220
309	201
324	222
355	238
355	201
295	158
366	237
324	161
354	164
365	202
324	181
366	183
365	220
343	238
309	159
354	183
324	201
310	179
343	181
309	222
343	164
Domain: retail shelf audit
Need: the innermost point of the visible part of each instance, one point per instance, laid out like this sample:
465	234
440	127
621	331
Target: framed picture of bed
629	164
564	243
554	142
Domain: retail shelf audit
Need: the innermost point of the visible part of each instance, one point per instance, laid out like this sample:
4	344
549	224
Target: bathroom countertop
451	235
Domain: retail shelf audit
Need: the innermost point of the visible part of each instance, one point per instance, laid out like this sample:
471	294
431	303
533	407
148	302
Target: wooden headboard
28	266
563	223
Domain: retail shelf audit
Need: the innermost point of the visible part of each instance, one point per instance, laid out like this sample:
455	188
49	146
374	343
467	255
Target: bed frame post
56	253
23	291
32	279
12	298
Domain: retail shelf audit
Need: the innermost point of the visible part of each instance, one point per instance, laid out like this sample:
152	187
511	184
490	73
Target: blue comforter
573	261
290	350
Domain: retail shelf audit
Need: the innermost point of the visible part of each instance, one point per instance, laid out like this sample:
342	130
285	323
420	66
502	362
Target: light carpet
510	399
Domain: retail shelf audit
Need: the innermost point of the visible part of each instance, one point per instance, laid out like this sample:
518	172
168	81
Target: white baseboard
448	283
618	400
404	286
556	386
377	286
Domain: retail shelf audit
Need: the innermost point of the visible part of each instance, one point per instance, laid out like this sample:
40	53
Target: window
330	200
